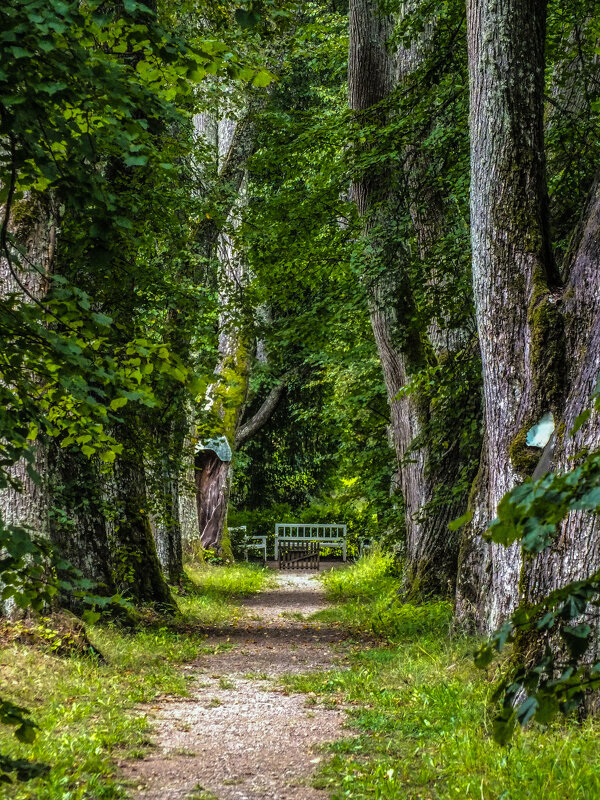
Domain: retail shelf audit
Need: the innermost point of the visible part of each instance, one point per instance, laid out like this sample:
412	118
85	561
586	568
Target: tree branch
262	416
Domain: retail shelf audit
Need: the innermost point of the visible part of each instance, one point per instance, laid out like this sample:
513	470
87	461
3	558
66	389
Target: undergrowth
417	707
82	703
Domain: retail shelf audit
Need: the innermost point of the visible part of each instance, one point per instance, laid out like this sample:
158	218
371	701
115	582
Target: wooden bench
321	534
252	543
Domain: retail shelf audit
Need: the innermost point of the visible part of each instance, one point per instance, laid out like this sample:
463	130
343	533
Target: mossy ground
84	704
420	720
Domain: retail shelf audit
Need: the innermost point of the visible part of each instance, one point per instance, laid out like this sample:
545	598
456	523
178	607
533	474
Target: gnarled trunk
136	569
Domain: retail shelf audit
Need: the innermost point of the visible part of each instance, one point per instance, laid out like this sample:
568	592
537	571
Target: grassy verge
419	715
83	704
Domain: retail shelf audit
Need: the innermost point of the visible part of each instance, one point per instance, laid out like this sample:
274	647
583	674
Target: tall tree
407	341
536	327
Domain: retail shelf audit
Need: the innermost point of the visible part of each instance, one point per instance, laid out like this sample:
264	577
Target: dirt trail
235	737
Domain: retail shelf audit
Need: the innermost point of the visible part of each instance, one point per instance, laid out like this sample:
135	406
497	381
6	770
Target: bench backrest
313	532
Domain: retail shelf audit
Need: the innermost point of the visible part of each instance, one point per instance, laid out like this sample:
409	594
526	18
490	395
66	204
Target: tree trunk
575	553
135	565
431	550
166	525
33	224
212	497
78	525
513	276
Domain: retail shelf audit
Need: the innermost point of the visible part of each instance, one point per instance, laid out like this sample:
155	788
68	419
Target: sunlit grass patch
235	580
368	596
370	576
421	730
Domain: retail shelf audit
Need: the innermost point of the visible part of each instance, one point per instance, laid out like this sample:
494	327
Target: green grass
226	582
369	577
368	601
83	706
419	716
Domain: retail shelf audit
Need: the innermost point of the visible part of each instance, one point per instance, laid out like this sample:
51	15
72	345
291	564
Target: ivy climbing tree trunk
514	278
404	345
135	565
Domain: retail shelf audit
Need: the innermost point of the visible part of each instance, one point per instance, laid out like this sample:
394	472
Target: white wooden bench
251	542
299	533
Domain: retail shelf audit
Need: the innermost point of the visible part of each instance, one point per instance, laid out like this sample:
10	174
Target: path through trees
239	735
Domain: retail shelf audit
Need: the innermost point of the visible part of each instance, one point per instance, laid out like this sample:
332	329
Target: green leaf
118	402
547	708
580	421
102	319
263	78
504	726
460	521
526	710
135	161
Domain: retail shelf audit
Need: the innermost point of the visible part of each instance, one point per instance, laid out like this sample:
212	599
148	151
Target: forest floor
238	737
276	686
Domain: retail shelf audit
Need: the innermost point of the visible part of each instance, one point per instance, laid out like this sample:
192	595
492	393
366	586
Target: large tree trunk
575	553
136	569
32	222
513	277
431	550
212	498
78	525
233	142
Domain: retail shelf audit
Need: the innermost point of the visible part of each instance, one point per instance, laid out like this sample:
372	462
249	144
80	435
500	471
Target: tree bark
166	525
136	569
513	280
78	525
233	141
575	553
373	73
32	222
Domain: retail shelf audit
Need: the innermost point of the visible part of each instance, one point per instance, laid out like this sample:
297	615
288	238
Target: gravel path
236	738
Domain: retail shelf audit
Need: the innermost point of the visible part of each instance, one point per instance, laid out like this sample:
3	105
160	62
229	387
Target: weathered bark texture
227	395
252	426
212	497
136	569
78	525
576	552
32	222
513	277
373	73
233	141
166	525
